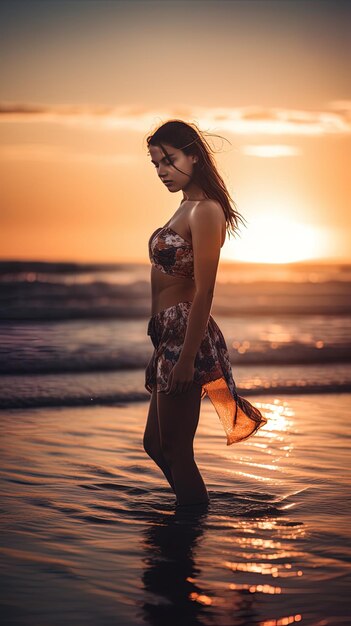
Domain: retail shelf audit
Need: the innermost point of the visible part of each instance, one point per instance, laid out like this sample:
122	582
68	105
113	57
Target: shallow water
90	534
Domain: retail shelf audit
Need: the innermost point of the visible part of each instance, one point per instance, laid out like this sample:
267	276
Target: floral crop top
170	253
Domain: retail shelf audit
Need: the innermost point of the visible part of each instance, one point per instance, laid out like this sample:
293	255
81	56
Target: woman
190	357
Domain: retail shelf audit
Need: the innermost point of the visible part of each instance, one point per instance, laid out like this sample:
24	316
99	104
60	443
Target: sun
274	239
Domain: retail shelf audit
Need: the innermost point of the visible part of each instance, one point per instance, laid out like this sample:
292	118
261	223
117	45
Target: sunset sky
84	82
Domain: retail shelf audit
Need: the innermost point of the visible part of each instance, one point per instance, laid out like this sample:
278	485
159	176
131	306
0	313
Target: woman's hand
181	377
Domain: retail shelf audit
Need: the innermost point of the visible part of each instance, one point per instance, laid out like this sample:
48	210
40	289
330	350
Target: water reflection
174	593
202	568
171	573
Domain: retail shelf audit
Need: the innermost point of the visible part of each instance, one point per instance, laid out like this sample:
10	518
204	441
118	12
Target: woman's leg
178	417
151	441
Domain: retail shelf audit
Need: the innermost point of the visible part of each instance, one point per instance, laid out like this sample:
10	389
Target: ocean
75	334
90	534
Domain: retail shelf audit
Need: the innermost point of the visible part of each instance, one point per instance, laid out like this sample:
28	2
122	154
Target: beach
90	531
93	535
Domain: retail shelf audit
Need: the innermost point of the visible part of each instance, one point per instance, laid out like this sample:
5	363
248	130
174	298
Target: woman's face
168	169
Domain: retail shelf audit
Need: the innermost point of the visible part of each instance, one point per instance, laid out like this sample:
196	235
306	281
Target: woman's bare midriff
168	290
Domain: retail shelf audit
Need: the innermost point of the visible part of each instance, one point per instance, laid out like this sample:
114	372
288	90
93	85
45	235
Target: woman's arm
205	223
196	326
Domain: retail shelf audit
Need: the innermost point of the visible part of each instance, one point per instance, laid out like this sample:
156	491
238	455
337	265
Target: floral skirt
212	369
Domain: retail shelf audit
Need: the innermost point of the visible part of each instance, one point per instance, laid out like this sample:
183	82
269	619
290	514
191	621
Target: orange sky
84	83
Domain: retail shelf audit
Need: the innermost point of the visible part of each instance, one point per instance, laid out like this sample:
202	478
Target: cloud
335	118
270	151
341	105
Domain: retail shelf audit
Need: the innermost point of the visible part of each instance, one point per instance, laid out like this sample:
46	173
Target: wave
14	360
97	301
67	291
120	398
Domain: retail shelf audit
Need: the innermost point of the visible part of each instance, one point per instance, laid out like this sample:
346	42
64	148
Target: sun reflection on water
265	569
201	598
278	414
256	588
282	621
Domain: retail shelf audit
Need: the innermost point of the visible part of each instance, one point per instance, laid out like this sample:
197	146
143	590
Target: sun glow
274	239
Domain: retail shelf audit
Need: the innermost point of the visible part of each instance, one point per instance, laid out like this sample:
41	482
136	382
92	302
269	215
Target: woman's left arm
205	222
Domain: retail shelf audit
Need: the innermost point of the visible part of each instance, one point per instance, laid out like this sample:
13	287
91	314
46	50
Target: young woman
190	358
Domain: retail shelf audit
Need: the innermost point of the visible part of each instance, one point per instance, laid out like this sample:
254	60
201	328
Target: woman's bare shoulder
207	208
211	212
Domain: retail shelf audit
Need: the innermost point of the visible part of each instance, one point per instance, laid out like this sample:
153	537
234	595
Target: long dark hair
188	138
